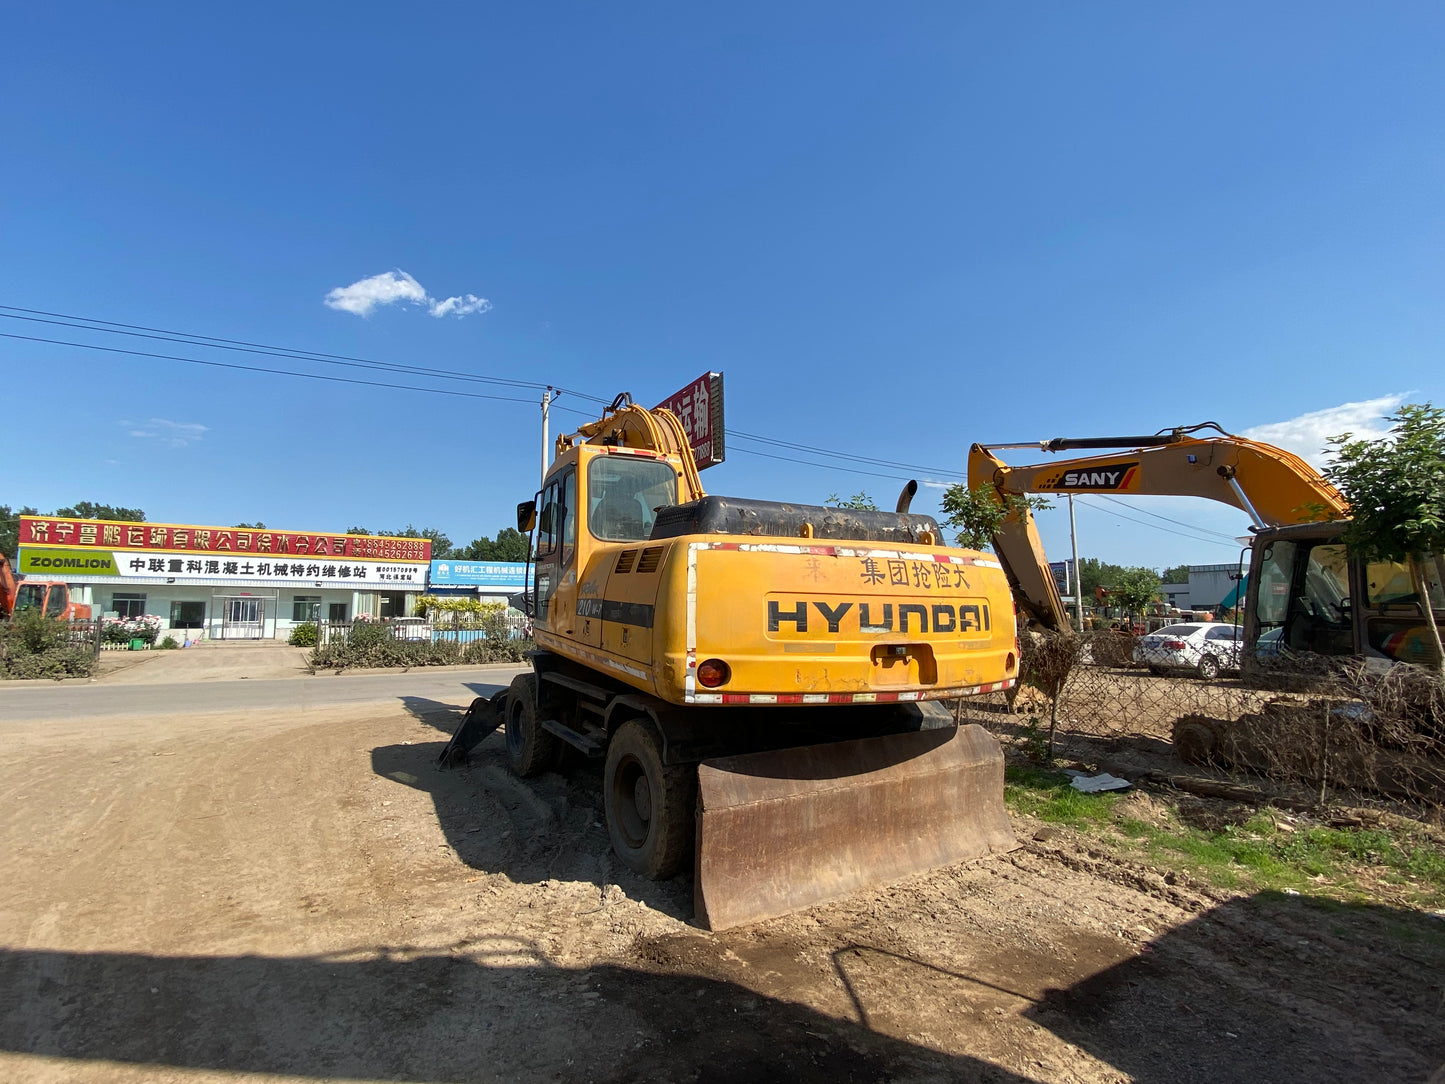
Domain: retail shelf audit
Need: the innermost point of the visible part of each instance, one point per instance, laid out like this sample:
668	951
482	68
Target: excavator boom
1272	486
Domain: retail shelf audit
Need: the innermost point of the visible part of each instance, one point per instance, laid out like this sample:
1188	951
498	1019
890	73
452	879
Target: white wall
278	600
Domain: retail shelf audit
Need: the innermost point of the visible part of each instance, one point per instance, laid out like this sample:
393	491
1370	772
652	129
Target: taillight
1173	645
714	672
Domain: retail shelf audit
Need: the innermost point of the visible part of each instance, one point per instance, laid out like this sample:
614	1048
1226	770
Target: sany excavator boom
760	680
1305	593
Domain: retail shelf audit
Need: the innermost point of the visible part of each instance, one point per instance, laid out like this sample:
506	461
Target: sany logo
1115	476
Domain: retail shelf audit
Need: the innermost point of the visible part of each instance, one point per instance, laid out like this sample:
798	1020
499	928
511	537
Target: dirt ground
208	660
283	896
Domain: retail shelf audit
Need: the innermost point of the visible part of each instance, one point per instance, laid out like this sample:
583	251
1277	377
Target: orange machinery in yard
50	597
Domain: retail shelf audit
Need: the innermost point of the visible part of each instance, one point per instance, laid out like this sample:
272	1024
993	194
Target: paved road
66	701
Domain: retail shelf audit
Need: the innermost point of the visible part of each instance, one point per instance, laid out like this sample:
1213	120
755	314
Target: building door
243	618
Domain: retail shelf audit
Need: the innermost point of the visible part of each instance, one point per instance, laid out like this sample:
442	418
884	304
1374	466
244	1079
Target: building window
188	615
128	606
305	607
337	612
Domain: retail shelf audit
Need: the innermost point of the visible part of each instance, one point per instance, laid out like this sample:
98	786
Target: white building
225	583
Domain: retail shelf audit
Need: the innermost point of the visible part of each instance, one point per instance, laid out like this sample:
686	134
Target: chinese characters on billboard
699	407
78	548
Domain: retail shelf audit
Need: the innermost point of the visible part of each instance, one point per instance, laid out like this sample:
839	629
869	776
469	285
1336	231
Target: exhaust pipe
906	497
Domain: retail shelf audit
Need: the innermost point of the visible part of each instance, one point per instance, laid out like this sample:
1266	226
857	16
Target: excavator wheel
650	806
530	749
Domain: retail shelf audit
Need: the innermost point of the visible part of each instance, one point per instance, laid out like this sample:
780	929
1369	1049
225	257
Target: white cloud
168	433
1308	435
459	306
365	295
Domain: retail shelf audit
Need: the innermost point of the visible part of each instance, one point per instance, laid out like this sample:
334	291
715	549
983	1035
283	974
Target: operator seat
619	519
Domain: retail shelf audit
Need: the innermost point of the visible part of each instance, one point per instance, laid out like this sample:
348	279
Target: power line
1166	519
814	450
1155	526
264	369
212	342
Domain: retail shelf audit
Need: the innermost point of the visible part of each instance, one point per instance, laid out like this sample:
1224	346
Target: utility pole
1078	580
547	397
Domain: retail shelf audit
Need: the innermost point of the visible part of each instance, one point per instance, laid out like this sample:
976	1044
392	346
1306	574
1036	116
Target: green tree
90	510
10	527
1396	490
257	526
861	501
510	545
1135	588
977	514
1177	574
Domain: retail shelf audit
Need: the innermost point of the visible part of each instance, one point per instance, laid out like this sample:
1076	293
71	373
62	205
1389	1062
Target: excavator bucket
484	716
783	830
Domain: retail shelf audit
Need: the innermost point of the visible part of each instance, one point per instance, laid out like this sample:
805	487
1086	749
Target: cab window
31	596
59	599
556	525
624	495
1390	583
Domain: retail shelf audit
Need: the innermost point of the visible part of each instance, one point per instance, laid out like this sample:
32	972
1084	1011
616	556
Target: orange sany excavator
1305	591
50	597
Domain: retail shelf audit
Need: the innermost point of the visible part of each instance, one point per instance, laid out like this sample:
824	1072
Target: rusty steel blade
783	830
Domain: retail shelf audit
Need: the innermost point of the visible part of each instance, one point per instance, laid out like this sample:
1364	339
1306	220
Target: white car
410	628
1206	649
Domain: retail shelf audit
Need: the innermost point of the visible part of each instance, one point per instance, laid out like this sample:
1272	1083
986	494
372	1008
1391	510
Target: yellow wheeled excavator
762	681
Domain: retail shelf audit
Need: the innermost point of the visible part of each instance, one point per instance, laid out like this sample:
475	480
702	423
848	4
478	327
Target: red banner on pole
699	407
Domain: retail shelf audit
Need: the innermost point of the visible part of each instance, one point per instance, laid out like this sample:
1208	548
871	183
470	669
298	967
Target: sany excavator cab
1307	594
760	680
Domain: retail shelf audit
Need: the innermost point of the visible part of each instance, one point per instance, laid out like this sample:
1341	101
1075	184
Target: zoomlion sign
59	563
56	547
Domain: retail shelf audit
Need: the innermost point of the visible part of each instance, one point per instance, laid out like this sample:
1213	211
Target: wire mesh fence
1314	725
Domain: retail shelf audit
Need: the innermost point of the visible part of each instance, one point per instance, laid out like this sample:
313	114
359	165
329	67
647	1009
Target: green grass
1348	864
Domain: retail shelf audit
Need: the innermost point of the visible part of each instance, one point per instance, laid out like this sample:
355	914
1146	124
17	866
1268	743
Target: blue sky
895	235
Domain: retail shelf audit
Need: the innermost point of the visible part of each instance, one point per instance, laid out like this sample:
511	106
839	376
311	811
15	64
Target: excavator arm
624	424
1272	486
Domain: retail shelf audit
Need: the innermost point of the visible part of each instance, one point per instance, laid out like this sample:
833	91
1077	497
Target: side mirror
526	516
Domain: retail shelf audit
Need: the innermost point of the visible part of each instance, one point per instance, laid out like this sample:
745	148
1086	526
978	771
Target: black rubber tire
1209	668
650	806
530	749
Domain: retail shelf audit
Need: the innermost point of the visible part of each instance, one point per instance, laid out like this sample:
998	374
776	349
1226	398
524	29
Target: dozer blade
485	715
784	830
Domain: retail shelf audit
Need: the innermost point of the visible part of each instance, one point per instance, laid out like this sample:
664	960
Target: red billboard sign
699	407
103	534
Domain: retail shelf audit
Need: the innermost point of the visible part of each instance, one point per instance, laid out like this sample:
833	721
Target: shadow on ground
483	1011
1269	987
532	830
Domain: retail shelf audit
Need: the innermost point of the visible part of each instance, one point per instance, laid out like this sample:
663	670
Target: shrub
303	635
122	630
170	643
35	646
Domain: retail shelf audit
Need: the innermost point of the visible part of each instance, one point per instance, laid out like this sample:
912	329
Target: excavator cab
1308	595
